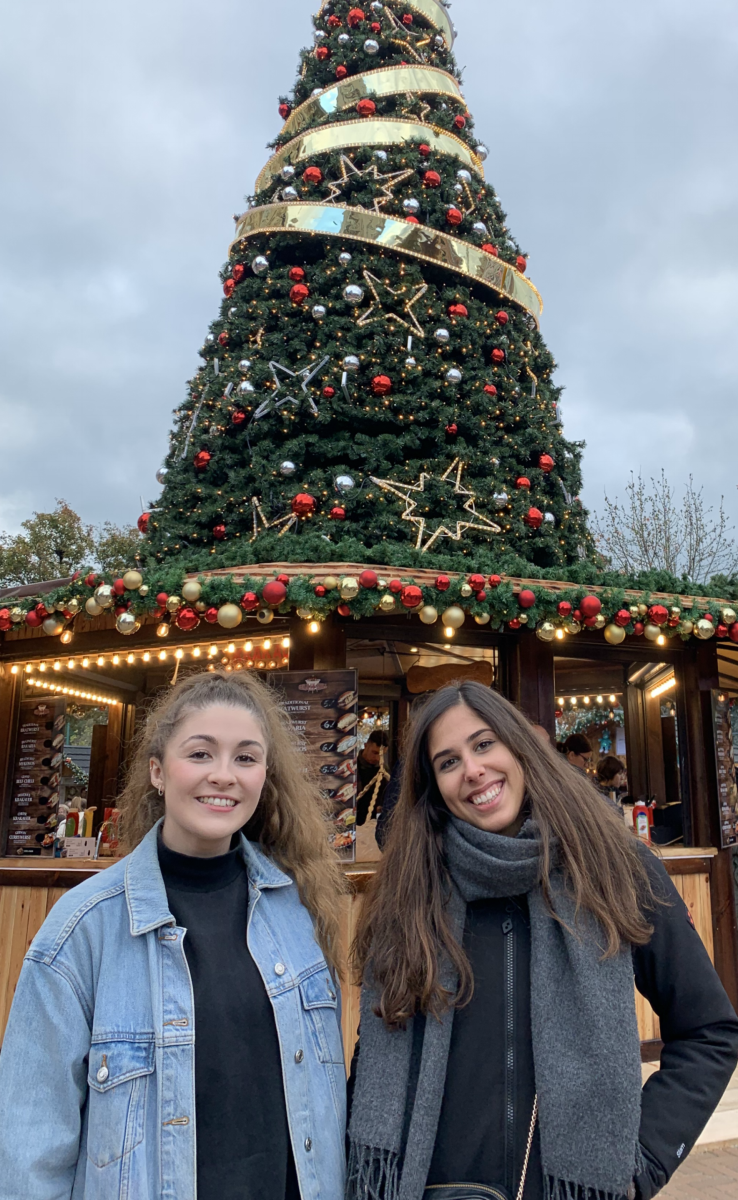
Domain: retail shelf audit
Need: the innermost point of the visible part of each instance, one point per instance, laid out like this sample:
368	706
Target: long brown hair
403	931
290	821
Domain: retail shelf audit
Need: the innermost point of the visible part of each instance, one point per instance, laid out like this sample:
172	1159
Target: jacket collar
146	895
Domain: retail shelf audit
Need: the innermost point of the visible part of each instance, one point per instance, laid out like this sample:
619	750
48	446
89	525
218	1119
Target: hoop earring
160	790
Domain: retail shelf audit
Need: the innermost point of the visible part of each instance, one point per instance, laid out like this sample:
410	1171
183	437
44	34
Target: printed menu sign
323	708
725	725
37	768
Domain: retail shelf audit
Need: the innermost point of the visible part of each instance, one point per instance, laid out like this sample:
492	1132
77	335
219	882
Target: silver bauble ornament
482	151
453	375
549	518
344	39
458	189
287	468
428	614
265	616
232	311
289	193
318	311
344	258
376	6
244	366
104	596
161	474
439	40
411	205
546	631
350	363
371	46
704	629
480	228
52	626
92	608
260	264
318	35
464	175
210	338
500	499
245	387
381	155
410	362
344	483
353	294
442	336
126	623
287	172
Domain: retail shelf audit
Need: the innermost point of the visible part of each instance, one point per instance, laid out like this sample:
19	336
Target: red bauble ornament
452	429
5	621
591	606
299	293
514	624
721	631
239	416
381	385
431	179
187	619
250	601
238	272
412	220
494	581
223	338
522	482
658	614
411	596
490	389
407	18
334	21
91	579
498	356
526	598
284	111
443	583
368	579
211	615
296	274
490	249
121	608
322	53
143	522
533	518
577	615
344	610
480	596
319	590
375	27
546	463
33	619
201	459
454	216
476	581
622	618
521	263
229	287
708	617
459	121
366	107
638	628
219	532
563	608
274	593
161	599
355	17
733	632
395	586
341	72
303	504
312	175
337	513
501	317
285	579
329	392
424	149
458	310
119	587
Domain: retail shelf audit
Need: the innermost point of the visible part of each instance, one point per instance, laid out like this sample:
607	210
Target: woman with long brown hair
498	948
176	1026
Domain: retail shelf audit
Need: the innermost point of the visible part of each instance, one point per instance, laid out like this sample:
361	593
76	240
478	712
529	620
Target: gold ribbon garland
393	233
375	131
433	12
385	81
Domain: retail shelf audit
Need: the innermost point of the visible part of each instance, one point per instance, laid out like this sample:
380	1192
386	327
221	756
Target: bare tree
652	530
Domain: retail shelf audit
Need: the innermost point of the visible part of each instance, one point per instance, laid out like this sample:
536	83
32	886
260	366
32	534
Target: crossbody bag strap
531	1131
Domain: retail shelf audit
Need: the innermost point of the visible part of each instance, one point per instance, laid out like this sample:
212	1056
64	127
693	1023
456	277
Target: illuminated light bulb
42	666
286	643
661	640
261	664
179	653
231	648
162	655
57	665
314	626
573	701
599	699
14	669
248	647
71	664
100	660
130	658
448	631
196	652
561	701
66	637
272	663
162	630
212	651
116	660
85	662
65	691
267	643
250	662
285	662
29	667
611	699
586	699
147	656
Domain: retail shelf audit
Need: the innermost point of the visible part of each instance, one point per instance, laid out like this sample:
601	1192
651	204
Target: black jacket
490	1086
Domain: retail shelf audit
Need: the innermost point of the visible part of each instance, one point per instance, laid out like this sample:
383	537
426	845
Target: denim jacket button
308	1144
102	1074
299	1056
279	968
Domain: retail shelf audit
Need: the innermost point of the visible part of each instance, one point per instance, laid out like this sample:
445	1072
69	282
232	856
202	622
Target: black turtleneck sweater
243	1142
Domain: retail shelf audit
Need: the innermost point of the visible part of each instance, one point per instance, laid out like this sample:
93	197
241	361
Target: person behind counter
367	765
498	945
611	777
577	751
176	1028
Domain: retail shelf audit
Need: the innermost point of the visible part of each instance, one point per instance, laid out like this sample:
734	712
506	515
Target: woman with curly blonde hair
176	1026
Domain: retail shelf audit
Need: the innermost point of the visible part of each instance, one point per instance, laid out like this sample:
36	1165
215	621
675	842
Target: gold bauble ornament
599	621
651	632
428	614
349	589
546	631
304	613
454	617
728	616
229	616
704	629
16	615
92	608
523	618
483	619
200	606
633	610
173	604
133	580
387	603
381	583
126	623
52	626
642	610
104	596
330	583
675	611
686	627
60	606
73	607
614	635
572	626
265	616
191	590
144	589
466	591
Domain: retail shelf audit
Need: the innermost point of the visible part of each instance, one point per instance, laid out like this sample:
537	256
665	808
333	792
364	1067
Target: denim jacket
97	1070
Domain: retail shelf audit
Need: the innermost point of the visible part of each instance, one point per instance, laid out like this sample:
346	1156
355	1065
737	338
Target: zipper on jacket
509	959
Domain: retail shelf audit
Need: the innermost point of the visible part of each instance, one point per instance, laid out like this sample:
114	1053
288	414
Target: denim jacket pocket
118	1078
319	1002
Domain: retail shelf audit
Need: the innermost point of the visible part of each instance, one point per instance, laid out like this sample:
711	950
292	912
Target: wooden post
534	680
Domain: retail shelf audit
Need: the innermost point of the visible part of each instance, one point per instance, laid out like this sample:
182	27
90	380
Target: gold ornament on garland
349	589
396	306
453	617
174	603
92	608
546	631
191	590
229	616
466	591
483	619
403	490
330	583
387	603
350	174
704	629
428	614
614	634
133	580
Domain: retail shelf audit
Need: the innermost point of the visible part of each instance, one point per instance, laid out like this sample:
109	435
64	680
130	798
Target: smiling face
212	773
479	779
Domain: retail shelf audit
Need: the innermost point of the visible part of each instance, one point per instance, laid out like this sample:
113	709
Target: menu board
37	768
323	707
725	725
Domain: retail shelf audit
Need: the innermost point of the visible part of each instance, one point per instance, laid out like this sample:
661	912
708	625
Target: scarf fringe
372	1173
566	1189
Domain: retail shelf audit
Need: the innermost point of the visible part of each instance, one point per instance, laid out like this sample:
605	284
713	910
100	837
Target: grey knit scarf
585	1044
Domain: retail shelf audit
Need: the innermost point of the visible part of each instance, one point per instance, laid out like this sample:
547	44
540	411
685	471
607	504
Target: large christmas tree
375	387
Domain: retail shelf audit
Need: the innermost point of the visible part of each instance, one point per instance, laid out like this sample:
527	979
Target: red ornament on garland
337	513
526	598
443	583
329	392
454	216
424	150
407	18
366	107
119	587
33	619
521	263
312	175
501	317
381	385
344	610
494	581
284	111
341	72
296	274
223	338
285	579
459	121
368	579
709	617
514	624
638	628
334	21
431	179
412	220
238	272
591	606
490	249
303	504
498	356
319	590
229	287
480	596
355	17
395	586
161	599
458	310
187	619
563	608
322	53
411	596
91	579
733	632
143	522
274	593
476	581
5	621
299	293
238	417
533	518
201	459
577	615
219	532
546	463
375	27
658	614
522	482
211	615
721	631
622	618
490	389
452	429
250	601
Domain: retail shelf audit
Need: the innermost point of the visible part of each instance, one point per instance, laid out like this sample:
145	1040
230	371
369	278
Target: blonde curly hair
290	822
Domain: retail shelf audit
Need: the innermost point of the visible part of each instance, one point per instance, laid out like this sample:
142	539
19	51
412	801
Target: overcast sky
131	133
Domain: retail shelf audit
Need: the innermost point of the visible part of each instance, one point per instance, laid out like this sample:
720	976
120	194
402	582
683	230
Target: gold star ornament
394	305
473	520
